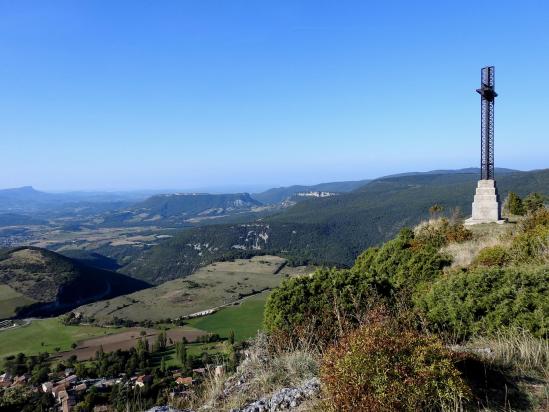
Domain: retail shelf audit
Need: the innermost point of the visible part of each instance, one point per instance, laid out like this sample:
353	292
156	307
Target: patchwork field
10	299
245	319
127	339
213	286
50	335
47	335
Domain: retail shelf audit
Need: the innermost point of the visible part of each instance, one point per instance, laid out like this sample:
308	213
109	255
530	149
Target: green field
214	349
11	299
244	319
45	335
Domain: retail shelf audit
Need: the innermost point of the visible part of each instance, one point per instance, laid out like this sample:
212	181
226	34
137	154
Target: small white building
47	387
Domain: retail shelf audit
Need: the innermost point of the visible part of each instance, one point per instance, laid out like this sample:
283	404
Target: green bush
384	367
322	303
514	205
401	264
537	218
533	202
440	232
330	299
484	300
531	247
492	256
531	244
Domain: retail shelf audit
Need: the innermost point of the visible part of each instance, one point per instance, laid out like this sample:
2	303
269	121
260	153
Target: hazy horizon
229	188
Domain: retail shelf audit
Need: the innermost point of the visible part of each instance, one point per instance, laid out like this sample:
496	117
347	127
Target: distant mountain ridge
466	170
280	194
330	230
26	199
179	208
196	203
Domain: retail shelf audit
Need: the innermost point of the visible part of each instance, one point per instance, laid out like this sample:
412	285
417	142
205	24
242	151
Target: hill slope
175	209
329	230
279	194
56	283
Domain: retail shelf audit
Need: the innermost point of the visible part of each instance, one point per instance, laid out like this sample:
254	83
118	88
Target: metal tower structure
487	97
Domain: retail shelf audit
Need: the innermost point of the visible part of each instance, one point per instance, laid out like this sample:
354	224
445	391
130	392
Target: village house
188	381
5	380
57	389
21	380
69	380
47	387
142	380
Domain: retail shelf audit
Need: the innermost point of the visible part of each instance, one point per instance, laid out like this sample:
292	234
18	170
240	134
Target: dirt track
126	340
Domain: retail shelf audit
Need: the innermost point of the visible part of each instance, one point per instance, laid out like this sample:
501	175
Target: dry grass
484	236
516	349
261	373
211	286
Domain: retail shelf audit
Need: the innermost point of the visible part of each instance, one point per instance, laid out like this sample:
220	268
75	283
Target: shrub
439	232
331	300
492	256
533	202
324	302
537	218
384	367
403	263
514	205
531	244
487	299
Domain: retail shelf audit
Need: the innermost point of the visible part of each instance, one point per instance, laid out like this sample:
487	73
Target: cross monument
486	204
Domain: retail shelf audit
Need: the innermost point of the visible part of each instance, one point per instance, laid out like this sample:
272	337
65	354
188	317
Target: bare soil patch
126	340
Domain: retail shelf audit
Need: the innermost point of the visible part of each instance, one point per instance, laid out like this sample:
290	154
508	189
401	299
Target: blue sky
186	94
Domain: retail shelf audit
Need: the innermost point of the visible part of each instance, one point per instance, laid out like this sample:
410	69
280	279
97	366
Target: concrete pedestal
486	206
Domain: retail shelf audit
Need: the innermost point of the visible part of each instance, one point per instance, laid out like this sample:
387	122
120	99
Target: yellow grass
485	235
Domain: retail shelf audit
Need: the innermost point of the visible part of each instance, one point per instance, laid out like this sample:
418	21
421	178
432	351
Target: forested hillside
332	230
279	194
179	209
56	283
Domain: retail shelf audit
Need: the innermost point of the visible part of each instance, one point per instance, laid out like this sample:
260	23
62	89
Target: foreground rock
284	399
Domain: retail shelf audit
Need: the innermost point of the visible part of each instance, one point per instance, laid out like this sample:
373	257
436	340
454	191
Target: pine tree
182	356
140	347
514	204
99	354
231	337
161	341
232	360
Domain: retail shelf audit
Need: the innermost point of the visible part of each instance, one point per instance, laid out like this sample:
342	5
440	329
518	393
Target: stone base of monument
486	206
